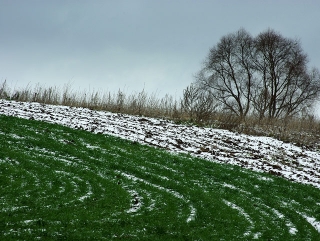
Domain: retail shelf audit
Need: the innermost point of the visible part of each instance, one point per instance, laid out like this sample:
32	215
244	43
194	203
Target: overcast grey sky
134	44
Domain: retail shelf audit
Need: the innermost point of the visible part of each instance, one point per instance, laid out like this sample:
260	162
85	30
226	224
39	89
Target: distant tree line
266	76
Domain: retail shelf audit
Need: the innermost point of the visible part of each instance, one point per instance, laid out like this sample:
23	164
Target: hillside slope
59	183
257	153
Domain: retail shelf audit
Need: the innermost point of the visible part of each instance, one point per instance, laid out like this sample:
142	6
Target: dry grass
301	131
138	103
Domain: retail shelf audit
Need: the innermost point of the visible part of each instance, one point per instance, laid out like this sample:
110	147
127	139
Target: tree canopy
266	75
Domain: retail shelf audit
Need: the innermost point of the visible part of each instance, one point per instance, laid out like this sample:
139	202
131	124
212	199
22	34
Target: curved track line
242	213
193	210
314	223
291	227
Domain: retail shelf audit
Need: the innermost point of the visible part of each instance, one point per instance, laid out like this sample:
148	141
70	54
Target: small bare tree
3	90
198	103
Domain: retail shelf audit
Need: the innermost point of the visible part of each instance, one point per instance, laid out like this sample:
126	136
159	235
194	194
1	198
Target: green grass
57	183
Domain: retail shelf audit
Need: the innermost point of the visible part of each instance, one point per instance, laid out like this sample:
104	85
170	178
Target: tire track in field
192	209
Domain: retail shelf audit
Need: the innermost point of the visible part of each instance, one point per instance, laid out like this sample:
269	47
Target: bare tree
266	75
228	72
285	85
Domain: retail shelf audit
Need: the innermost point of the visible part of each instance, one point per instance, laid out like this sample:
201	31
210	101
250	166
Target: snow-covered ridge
257	153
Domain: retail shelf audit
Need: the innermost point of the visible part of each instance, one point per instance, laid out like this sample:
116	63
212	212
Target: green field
57	183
